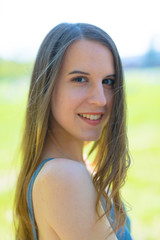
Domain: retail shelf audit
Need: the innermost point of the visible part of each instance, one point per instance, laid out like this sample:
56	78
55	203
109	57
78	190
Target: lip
92	113
92	122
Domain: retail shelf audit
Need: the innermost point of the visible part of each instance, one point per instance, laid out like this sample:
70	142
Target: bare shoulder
65	177
65	195
60	169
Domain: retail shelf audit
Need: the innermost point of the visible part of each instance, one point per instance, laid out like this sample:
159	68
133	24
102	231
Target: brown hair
112	158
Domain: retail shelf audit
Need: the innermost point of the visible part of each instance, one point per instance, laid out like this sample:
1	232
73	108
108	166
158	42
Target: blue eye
79	79
109	82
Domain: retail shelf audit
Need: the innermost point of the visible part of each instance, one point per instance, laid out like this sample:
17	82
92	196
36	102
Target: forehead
87	55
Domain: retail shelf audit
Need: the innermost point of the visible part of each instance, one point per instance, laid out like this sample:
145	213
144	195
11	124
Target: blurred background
134	25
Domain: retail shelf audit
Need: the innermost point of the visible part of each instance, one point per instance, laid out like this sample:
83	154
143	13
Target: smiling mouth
92	117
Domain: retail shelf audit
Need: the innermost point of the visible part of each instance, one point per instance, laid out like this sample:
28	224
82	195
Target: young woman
76	98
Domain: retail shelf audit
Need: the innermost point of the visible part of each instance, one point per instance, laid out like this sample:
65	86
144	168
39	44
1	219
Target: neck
64	147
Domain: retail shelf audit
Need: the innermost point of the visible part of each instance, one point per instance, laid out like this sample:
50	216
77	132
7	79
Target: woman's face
83	94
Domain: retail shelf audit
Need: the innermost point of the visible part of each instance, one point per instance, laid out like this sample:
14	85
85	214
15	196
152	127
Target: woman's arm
67	200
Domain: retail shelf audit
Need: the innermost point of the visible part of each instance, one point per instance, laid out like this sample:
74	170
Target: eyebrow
85	73
111	75
78	72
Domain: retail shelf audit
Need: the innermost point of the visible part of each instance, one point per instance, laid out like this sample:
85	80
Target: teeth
91	117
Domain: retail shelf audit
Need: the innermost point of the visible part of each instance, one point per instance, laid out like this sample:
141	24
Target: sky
133	24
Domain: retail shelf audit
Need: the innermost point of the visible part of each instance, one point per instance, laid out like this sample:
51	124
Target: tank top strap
29	197
121	235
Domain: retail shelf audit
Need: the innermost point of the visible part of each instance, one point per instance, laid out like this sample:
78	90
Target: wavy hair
111	160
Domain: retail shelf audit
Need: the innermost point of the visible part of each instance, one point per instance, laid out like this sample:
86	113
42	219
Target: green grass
142	189
10	70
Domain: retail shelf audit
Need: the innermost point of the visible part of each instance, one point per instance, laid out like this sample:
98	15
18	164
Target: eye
79	79
109	82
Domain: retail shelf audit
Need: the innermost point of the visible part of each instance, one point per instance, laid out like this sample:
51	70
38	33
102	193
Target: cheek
71	97
110	99
65	101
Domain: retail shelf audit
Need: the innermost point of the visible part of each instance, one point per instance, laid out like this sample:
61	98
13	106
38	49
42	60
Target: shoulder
64	195
60	169
61	186
68	178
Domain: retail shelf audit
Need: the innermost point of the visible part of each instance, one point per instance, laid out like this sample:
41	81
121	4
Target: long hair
112	158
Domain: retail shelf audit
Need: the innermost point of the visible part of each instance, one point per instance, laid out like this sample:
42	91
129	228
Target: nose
97	96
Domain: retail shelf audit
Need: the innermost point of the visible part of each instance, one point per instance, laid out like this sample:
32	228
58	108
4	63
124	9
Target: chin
92	138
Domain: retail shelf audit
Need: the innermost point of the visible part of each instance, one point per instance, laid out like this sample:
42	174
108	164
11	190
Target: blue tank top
120	235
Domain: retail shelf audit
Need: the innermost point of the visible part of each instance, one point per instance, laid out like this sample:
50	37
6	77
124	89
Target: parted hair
111	158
